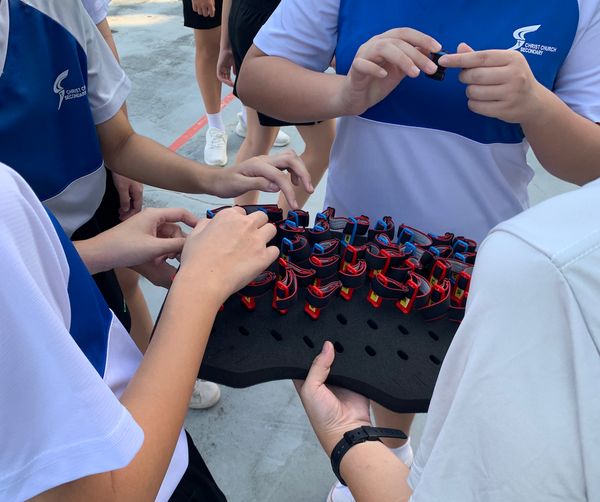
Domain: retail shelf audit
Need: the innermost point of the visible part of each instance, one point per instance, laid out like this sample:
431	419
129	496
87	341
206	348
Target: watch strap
358	436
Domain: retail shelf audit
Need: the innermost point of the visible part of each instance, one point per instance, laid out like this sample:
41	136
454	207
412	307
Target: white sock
215	120
244	116
404	453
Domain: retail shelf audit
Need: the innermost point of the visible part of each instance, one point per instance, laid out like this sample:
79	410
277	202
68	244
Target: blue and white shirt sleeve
578	82
303	31
108	86
59	421
97	9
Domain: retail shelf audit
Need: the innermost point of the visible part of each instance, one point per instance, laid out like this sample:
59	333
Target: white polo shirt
97	9
516	410
65	360
421	155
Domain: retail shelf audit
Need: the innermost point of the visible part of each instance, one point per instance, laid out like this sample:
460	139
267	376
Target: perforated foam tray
392	358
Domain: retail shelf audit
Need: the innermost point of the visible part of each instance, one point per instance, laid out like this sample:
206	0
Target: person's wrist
202	282
341	104
329	439
210	180
542	102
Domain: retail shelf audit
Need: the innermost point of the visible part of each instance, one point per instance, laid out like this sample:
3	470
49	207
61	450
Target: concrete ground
256	441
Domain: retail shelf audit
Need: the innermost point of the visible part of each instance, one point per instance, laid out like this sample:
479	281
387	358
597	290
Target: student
123	198
514	415
204	16
102	421
242	19
441	156
57	132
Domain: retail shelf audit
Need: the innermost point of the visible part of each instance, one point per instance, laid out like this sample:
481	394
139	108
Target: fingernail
431	67
415	71
273	187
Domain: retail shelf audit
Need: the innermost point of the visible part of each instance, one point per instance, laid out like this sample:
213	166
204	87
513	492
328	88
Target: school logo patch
522	45
67	94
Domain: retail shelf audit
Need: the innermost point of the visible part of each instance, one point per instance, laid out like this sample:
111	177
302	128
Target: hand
205	8
131	195
226	253
380	65
225	65
332	411
149	236
264	173
500	83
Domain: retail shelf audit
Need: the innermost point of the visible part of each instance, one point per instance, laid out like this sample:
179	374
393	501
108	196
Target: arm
500	84
144	160
131	192
225	62
269	83
372	471
219	257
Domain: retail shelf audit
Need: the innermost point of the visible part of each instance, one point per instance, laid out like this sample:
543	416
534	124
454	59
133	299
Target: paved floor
256	441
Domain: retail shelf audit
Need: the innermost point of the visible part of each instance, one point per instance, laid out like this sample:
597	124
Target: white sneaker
205	395
215	150
241	130
341	493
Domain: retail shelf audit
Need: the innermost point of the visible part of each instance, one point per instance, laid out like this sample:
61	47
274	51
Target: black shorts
194	20
197	483
107	216
246	18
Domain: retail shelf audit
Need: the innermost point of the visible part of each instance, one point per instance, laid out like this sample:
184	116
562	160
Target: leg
141	321
318	139
258	141
207	54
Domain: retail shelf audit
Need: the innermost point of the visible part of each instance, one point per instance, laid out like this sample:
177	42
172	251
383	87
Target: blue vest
47	131
542	29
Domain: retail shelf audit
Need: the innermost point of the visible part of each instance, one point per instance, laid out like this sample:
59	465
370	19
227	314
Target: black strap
358	436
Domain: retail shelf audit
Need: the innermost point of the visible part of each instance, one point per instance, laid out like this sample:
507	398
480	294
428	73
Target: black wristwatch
357	436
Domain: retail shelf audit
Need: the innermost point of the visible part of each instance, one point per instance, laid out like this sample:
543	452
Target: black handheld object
441	71
358	436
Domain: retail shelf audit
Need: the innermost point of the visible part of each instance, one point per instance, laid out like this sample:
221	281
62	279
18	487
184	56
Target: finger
267	232
419	59
175	215
124	201
295	165
476	59
212	10
414	37
170	230
319	371
463	48
487	92
366	68
162	247
389	51
485	76
258	218
205	11
295	179
136	191
486	108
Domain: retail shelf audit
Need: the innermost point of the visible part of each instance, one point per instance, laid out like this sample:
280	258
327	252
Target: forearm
374	474
284	90
566	144
144	160
157	397
159	393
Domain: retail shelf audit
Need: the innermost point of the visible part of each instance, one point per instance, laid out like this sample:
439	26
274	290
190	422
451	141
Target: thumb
319	371
463	47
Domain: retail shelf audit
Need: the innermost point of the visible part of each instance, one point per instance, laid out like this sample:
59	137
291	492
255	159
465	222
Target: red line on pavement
197	127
